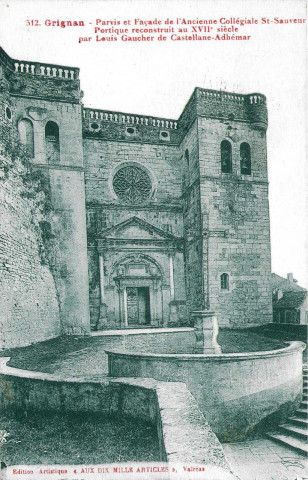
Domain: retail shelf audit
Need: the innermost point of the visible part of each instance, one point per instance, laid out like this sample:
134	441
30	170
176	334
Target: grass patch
75	439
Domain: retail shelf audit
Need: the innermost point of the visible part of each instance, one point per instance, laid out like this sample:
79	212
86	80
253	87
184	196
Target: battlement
230	97
110	125
41	80
38	68
129	118
45	69
61	83
225	105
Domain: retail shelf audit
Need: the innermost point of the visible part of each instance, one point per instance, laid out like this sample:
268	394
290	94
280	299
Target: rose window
132	184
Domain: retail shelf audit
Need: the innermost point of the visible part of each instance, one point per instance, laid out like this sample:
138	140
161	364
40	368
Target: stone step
299	421
290	429
302	412
295	443
304	404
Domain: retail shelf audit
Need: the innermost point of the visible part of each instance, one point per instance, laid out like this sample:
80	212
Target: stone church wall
192	219
236	221
104	210
68	223
103	157
29	310
196	224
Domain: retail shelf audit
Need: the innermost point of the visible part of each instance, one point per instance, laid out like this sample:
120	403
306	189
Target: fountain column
206	331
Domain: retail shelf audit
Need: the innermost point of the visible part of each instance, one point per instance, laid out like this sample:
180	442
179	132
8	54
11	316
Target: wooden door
138	306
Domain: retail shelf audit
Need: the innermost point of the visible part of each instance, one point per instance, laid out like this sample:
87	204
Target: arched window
226	156
26	135
52	142
187	157
224	281
245	159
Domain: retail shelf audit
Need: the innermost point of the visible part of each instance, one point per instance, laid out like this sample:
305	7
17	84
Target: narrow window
8	113
26	135
226	156
187	157
224	281
52	142
245	159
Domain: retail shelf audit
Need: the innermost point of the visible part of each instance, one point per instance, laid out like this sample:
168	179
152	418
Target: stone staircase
294	434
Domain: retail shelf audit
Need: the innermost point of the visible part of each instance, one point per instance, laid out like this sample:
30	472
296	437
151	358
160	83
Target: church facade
156	218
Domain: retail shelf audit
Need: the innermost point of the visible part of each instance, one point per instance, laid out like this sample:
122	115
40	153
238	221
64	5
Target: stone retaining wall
184	435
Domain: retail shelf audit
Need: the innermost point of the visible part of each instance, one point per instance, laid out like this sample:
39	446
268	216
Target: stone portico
138	264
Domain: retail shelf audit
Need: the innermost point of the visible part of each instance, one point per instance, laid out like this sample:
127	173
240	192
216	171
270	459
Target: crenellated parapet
47	70
222	105
119	126
257	110
109	125
61	83
41	80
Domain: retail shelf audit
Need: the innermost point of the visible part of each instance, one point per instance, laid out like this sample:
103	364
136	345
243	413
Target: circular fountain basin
235	391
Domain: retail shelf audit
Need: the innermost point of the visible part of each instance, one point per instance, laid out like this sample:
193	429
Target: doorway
138	306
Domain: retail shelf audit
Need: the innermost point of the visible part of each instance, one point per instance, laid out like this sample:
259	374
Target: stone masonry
151	220
29	305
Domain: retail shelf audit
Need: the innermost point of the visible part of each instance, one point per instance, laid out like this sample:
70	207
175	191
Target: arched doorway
139	286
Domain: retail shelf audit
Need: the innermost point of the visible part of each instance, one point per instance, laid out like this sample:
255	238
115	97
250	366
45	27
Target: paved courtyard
263	459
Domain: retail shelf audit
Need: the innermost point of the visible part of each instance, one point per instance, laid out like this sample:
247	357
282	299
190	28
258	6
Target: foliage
35	185
51	438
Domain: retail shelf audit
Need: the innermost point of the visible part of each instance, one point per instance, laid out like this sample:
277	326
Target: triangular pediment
136	228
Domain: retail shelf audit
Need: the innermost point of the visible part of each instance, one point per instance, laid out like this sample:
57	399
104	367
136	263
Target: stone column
103	318
125	307
171	277
206	331
173	317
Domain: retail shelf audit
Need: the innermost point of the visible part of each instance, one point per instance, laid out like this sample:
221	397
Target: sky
157	79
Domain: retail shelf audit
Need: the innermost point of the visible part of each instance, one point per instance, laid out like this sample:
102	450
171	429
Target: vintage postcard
153	240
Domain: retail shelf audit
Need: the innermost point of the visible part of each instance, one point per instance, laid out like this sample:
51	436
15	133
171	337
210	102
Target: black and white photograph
153	240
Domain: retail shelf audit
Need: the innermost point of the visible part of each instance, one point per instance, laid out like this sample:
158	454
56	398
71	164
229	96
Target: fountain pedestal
206	331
